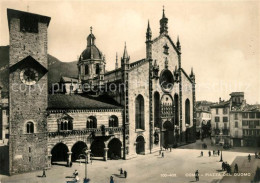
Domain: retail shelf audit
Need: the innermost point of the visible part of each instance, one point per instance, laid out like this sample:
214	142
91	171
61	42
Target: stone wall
138	85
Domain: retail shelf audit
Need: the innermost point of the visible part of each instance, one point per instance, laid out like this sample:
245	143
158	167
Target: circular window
166	80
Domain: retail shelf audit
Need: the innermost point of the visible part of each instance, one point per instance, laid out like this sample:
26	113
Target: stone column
122	152
69	158
49	161
105	153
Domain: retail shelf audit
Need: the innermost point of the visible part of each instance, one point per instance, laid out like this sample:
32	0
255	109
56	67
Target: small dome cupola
91	52
91	38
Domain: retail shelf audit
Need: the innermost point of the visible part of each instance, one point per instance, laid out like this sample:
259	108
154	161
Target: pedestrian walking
218	152
111	179
121	171
162	154
249	158
43	173
197	175
76	173
201	153
125	173
236	168
223	166
209	153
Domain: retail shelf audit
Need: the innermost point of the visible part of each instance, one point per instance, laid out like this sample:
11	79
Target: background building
220	122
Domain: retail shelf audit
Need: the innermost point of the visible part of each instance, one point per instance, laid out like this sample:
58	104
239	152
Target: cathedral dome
91	52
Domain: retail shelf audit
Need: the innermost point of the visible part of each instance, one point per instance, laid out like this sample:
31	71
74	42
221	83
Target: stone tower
28	91
91	62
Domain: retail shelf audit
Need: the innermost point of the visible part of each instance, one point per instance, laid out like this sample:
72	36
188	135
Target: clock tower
28	91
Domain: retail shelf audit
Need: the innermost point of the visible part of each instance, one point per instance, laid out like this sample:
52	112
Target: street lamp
221	157
86	180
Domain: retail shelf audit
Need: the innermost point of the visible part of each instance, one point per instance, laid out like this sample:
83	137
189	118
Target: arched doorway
77	149
140	145
59	153
97	148
114	149
187	111
168	138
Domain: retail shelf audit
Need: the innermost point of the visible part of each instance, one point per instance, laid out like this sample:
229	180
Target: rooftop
75	101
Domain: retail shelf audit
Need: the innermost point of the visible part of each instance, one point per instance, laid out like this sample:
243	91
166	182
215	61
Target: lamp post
221	157
86	180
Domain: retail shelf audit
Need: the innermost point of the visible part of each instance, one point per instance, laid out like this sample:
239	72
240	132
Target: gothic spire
125	55
164	24
178	44
148	32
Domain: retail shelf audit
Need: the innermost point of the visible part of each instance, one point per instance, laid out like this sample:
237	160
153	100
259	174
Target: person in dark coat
125	173
218	152
162	154
43	173
249	158
209	153
111	179
201	153
121	171
223	166
197	175
236	168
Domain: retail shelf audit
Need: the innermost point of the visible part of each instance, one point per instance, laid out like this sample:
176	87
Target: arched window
156	109
61	126
176	111
92	122
86	70
70	125
113	121
30	127
97	69
187	111
139	112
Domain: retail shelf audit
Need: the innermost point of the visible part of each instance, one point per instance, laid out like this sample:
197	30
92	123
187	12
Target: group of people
124	173
226	167
217	152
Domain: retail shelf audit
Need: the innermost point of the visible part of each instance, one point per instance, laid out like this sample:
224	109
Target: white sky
219	39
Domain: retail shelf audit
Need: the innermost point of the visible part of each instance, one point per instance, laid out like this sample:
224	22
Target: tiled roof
63	101
221	104
236	93
69	79
247	108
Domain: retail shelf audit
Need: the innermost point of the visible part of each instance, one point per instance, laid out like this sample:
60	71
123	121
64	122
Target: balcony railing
84	131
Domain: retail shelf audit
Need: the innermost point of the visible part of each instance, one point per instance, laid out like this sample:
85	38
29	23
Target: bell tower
28	91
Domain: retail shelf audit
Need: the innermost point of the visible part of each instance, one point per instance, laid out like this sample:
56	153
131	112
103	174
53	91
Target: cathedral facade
136	109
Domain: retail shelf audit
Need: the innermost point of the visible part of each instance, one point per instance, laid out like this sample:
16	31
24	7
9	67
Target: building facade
220	123
151	103
245	127
203	119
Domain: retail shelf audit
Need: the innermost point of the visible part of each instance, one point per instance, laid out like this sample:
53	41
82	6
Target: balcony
87	131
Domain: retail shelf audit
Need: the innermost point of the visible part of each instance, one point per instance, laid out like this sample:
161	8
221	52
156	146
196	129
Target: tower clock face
29	76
